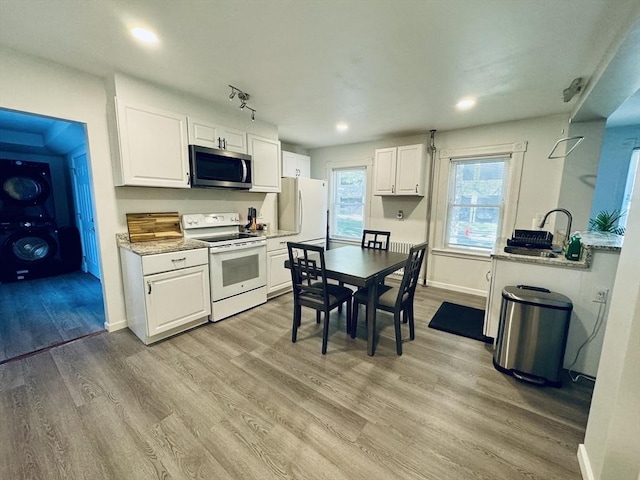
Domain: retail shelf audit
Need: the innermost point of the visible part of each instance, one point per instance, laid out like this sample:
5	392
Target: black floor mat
460	320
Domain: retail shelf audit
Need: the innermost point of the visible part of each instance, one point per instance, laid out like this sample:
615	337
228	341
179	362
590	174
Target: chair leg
325	331
349	317
317	316
297	313
412	332
396	323
340	306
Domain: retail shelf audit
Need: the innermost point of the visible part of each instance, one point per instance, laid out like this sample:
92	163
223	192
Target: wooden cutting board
147	227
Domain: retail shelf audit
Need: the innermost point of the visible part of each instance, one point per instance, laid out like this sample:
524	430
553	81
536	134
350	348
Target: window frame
332	167
451	204
514	162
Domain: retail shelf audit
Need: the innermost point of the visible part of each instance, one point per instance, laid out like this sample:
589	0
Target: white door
84	212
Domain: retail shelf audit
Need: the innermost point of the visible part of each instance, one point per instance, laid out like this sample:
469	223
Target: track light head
244	98
232	96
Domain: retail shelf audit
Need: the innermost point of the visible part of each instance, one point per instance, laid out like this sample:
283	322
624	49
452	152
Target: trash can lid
537	296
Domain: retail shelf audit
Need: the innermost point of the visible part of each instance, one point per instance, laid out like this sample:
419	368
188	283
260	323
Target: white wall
579	174
32	85
539	191
611	448
382	210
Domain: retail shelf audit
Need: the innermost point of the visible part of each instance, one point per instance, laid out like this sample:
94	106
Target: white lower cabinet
165	293
278	277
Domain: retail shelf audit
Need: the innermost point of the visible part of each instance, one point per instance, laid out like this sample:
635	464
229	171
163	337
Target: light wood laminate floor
38	313
238	400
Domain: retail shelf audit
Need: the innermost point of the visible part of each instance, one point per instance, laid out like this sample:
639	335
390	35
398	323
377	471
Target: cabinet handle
188	178
393	189
224	142
220	143
174	260
149	285
488	276
416	188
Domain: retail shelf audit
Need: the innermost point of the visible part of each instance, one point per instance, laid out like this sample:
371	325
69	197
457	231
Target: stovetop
227	238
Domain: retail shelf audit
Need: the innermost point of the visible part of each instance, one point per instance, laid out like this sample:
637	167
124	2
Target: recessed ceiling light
466	103
342	127
144	35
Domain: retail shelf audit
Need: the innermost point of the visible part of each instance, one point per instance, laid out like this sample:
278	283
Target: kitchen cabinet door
176	298
207	134
410	170
385	171
265	157
296	165
153	147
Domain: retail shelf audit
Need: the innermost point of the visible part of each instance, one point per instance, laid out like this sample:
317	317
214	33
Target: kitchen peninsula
578	280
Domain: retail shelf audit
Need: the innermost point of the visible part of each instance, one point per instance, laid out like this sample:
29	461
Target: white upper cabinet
206	134
153	147
296	165
400	171
265	162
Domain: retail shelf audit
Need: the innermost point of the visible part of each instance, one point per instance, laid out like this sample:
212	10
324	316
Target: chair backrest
308	271
412	271
375	239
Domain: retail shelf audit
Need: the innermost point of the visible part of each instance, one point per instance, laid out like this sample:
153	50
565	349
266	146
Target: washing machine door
29	248
25	187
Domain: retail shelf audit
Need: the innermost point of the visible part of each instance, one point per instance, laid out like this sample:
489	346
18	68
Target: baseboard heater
400	247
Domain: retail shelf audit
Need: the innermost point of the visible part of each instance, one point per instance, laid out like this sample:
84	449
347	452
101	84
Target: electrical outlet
260	214
400	214
600	294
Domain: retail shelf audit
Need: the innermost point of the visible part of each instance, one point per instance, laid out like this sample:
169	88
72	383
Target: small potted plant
607	222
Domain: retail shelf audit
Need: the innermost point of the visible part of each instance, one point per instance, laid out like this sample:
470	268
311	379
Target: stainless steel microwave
212	168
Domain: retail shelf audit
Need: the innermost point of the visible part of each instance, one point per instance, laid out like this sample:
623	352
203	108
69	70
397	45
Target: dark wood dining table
363	267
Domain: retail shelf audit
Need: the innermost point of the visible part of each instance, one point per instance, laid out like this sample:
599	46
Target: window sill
459	253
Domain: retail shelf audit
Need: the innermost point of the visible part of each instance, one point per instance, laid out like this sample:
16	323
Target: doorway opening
50	282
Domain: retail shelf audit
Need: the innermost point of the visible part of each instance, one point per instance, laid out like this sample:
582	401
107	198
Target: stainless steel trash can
532	335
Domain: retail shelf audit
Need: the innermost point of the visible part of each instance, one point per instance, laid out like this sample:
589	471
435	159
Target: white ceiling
387	68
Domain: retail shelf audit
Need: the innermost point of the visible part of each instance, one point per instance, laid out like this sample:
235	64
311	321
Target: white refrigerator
302	208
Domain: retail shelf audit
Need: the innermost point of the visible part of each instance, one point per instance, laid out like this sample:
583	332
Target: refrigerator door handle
301	211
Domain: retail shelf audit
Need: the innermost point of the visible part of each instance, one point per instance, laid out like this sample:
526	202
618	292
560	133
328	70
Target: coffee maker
252	217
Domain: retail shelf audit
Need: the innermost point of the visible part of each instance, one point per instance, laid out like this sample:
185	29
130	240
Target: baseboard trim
585	465
115	326
457	288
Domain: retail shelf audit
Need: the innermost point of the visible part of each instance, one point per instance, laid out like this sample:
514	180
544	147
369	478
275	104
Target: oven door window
237	271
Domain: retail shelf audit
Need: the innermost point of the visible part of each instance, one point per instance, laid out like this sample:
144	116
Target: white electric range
237	261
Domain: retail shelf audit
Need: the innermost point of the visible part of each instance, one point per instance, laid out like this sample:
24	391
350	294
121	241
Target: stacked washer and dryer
31	244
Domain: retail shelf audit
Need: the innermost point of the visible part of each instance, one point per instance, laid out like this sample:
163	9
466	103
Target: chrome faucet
569	220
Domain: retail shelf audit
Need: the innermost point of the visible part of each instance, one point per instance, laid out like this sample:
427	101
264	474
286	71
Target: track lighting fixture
244	98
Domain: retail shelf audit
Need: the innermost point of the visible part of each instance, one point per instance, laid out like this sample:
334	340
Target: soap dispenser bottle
574	248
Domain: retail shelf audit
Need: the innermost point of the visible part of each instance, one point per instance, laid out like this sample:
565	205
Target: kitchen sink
531	252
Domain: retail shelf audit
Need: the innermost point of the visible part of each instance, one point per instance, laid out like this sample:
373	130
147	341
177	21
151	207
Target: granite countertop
158	246
279	233
602	240
559	261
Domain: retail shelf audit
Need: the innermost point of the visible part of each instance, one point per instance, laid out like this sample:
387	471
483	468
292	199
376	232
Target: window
476	203
349	193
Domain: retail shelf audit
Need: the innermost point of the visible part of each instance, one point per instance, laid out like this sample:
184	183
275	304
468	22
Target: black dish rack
531	239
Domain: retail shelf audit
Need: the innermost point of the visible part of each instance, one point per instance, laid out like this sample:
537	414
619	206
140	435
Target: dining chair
311	289
376	239
396	300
